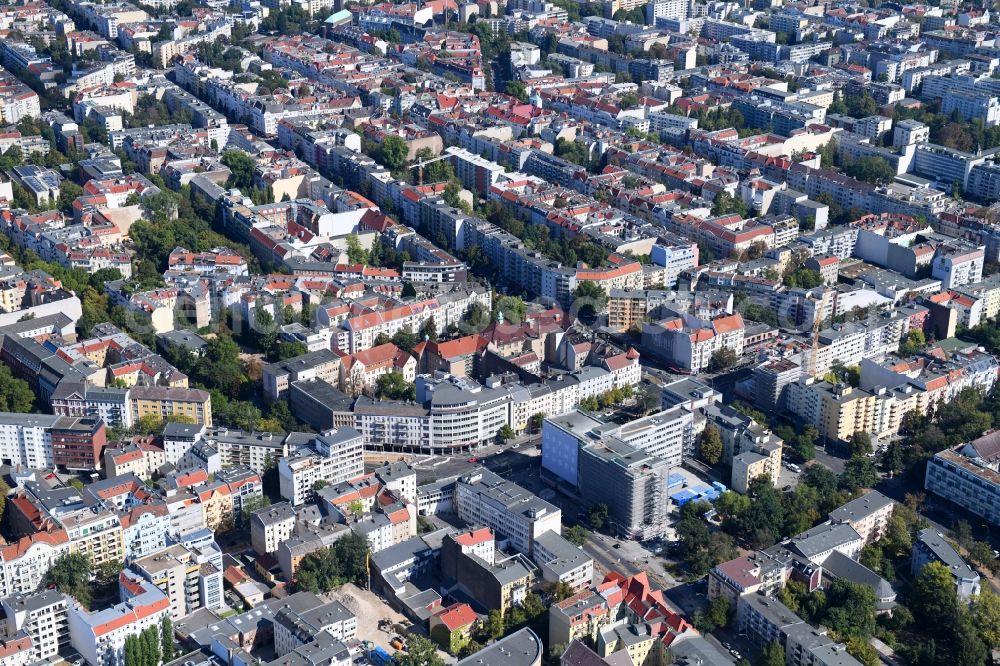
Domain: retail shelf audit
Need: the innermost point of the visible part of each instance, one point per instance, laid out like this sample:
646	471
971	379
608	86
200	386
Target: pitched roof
457	616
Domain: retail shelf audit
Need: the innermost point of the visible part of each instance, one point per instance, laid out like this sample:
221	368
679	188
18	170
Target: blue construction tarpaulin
683	497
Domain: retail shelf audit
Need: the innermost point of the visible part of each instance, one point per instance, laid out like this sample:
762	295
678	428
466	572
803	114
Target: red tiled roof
457	616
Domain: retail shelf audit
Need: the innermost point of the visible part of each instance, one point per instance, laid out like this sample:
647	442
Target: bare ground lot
369	610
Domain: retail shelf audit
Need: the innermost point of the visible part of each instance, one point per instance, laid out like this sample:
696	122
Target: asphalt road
608	558
830	461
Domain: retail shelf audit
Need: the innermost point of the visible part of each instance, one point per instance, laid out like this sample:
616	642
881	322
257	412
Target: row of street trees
152	646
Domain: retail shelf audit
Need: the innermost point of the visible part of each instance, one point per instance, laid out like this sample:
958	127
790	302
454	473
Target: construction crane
422	163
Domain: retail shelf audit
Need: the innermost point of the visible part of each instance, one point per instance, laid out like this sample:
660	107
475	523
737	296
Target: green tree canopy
872	169
597	515
859	472
241	169
772	655
393	386
326	569
590	298
15	393
393	151
722	359
71	575
710	445
517	89
851	609
986	616
933	600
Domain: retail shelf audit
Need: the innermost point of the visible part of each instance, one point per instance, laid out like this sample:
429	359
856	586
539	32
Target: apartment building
476	173
359	372
110	404
483	498
100	636
17	100
306	540
95	534
766	620
868	515
478	541
243	485
755	464
141	459
162	403
178	438
627	308
25	562
191	577
958	264
322	364
836	410
537	274
303	615
144	529
500	584
612	615
930	546
362	330
562	562
270	526
943	164
216	505
25	439
255	450
972	106
690	343
42	616
580	617
334	457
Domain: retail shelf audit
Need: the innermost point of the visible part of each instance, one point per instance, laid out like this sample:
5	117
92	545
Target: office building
77	443
513	513
666	434
631	482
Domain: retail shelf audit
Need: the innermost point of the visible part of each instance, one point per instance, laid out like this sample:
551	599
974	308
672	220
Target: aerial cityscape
536	333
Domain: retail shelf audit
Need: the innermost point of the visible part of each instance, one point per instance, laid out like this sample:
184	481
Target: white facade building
483	498
42	616
336	456
100	637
